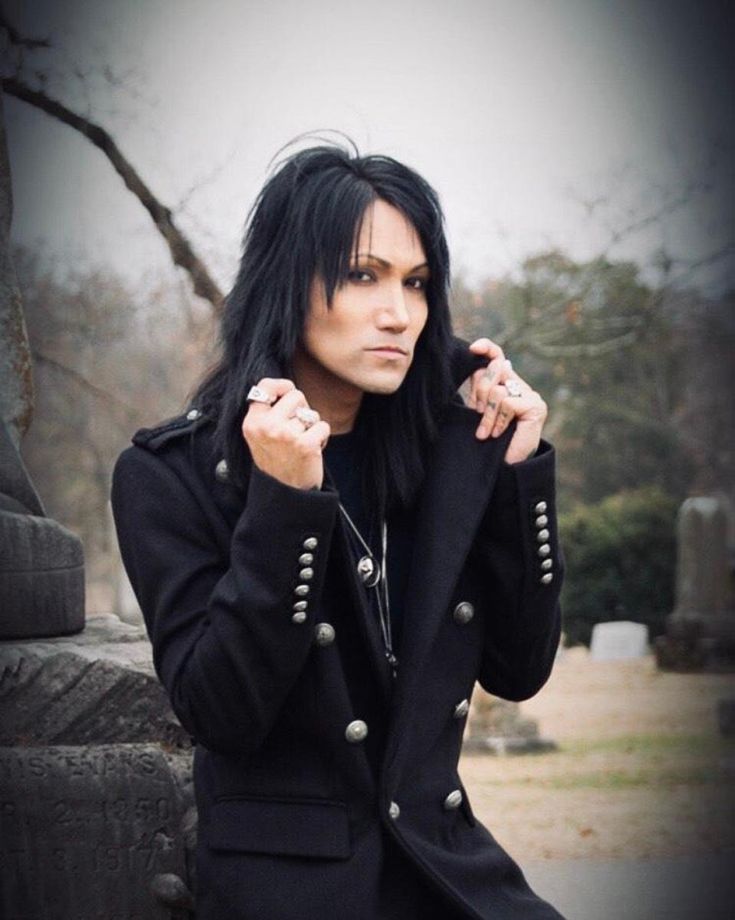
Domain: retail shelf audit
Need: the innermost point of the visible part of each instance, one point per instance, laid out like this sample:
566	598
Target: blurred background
583	152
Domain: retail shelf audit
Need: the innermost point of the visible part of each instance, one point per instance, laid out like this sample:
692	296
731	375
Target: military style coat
325	786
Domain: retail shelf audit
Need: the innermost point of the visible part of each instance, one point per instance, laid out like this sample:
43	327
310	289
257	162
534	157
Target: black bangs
305	224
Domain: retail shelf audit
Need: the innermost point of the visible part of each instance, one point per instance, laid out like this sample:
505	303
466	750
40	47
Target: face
365	342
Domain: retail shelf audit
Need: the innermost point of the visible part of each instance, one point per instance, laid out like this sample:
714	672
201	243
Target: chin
385	387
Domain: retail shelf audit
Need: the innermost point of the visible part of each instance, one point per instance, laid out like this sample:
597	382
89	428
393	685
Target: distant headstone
726	717
700	633
497	727
618	639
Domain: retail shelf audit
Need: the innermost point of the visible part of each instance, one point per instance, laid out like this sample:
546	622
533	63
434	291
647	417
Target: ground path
638	804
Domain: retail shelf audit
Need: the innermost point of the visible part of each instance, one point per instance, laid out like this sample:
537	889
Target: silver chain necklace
375	576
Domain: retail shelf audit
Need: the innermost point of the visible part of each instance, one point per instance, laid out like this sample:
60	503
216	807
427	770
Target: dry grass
641	770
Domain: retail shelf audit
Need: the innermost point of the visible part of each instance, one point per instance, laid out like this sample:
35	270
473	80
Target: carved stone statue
41	562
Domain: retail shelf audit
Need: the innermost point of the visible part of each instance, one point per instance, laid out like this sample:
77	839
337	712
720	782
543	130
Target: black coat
295	820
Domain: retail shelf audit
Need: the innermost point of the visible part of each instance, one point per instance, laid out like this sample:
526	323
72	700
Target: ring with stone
307	417
259	395
513	387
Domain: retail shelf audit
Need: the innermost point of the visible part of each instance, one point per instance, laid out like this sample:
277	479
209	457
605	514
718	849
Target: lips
388	349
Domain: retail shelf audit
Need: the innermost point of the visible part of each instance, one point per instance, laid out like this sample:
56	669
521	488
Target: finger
275	387
506	413
526	406
493	402
316	436
485	346
287	405
479	387
475	379
484	380
483	389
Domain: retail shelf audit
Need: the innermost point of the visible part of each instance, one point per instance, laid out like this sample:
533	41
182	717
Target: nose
393	312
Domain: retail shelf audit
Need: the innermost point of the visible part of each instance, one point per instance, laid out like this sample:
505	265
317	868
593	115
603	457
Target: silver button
356	731
222	471
463	612
544	549
453	800
193	414
324	634
540	507
306	574
299	617
310	543
300	605
461	709
547	578
542	536
546	565
394	811
306	559
542	520
301	590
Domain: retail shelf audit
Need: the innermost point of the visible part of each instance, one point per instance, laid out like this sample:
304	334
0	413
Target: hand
282	445
489	396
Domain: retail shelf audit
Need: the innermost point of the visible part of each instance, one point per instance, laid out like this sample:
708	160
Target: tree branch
583	349
17	39
81	381
179	247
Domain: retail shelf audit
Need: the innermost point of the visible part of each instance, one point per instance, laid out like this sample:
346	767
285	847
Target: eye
360	275
417	284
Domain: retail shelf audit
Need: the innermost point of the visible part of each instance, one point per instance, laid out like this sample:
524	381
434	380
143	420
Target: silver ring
258	395
307	417
513	387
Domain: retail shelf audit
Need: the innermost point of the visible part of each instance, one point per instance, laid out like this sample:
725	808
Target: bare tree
181	251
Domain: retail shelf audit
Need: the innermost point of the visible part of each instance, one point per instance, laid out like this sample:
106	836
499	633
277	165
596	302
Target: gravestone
726	717
700	633
497	727
85	831
97	815
618	640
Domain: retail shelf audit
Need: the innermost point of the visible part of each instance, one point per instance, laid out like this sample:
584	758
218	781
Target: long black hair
307	221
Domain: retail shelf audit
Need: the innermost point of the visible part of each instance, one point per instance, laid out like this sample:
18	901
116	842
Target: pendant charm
368	571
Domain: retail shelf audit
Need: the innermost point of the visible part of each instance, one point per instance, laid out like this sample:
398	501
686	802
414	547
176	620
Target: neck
336	401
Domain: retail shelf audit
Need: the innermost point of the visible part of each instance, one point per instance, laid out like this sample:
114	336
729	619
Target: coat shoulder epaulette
170	429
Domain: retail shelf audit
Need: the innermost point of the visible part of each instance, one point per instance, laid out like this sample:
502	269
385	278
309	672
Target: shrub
621	556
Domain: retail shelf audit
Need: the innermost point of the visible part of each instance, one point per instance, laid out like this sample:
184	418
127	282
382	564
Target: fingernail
482	431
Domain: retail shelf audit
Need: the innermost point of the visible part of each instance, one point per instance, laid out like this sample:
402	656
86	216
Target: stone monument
41	562
700	633
97	818
497	727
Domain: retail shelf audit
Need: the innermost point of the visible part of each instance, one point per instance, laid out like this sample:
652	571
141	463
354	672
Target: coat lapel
455	495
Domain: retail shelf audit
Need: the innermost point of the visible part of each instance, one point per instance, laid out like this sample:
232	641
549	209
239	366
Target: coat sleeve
225	642
517	550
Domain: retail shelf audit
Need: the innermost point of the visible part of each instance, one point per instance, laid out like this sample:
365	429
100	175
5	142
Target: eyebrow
386	264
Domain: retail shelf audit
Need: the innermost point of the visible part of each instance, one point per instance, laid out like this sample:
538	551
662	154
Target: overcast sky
514	110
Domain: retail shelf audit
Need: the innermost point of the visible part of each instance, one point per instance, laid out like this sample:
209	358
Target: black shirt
345	457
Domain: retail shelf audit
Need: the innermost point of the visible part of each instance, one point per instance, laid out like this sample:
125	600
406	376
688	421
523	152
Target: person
330	548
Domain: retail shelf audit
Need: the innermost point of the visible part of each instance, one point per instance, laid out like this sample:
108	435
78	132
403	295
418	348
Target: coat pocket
285	827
